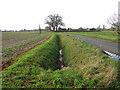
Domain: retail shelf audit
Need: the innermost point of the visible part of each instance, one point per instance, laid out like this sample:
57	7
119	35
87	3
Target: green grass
106	35
34	62
86	67
96	68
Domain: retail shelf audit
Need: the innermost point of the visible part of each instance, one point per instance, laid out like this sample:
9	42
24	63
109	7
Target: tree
114	21
99	27
54	21
24	29
81	29
104	26
47	28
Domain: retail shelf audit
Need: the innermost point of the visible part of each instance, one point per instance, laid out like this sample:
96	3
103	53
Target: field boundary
21	53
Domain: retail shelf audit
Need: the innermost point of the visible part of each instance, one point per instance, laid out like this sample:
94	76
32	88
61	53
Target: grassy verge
106	35
86	67
96	69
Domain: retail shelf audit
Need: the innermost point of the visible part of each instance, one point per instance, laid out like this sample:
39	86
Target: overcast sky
28	14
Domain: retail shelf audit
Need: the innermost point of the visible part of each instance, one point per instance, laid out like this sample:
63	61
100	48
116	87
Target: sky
28	14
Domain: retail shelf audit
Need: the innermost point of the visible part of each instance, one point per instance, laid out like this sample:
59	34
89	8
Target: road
99	43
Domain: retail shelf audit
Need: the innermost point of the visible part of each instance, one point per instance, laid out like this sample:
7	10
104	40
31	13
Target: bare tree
104	26
99	27
54	21
114	21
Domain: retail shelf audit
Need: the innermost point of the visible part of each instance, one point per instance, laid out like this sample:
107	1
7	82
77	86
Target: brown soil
5	65
13	41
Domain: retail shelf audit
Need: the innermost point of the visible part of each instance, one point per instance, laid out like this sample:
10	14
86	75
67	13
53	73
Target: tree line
54	21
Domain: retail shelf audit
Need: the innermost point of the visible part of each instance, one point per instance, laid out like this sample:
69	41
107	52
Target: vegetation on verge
106	35
86	67
95	68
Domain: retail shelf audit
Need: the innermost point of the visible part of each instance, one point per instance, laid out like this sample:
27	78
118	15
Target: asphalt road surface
99	43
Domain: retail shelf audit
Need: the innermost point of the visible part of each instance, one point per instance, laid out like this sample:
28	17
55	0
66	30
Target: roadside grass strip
86	67
96	68
106	35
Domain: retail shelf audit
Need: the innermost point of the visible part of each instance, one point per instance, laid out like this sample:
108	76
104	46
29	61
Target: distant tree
24	29
114	21
104	26
47	28
92	29
54	21
99	27
81	29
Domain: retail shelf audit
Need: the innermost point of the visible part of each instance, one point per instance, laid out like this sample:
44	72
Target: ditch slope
9	61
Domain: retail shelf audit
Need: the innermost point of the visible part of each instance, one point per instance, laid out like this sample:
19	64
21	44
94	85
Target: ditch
61	63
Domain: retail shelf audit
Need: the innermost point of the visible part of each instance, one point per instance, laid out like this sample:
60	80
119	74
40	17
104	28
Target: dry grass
89	61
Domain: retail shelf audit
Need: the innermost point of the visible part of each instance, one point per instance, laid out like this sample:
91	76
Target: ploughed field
84	65
15	42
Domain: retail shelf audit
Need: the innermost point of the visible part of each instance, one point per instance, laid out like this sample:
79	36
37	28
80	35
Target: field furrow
21	44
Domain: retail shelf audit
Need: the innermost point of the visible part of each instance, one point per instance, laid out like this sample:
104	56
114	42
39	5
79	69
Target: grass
36	61
96	68
86	67
106	35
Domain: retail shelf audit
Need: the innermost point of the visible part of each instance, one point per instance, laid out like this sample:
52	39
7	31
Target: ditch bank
9	61
58	54
89	62
39	67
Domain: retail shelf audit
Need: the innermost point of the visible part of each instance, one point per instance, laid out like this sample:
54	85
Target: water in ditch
61	63
112	55
61	59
